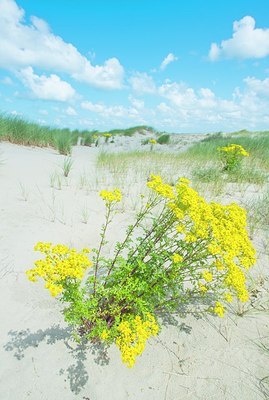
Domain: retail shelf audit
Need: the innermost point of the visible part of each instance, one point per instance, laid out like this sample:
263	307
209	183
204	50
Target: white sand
192	359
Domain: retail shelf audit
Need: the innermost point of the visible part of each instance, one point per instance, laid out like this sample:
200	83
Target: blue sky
179	66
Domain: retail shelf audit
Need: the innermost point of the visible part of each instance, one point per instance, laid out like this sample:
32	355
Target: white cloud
109	111
85	122
106	111
43	112
168	59
247	42
46	88
260	87
178	93
23	45
164	108
188	108
141	82
7	81
70	111
15	113
181	107
136	103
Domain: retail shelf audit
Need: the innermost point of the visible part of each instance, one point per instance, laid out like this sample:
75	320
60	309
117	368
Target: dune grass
258	212
19	131
142	163
256	144
131	131
202	157
164	139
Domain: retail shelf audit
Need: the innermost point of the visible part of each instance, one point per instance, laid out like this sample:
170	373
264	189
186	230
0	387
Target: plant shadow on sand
76	373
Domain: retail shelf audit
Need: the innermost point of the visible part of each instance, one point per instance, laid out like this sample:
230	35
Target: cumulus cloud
191	109
136	103
6	81
23	45
46	88
109	111
168	59
141	83
70	111
178	93
164	108
260	87
43	112
181	107
246	42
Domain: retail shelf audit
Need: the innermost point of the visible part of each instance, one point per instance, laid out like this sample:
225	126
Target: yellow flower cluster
161	188
104	335
177	258
219	309
235	149
133	335
228	297
153	141
111	196
107	135
221	229
203	288
60	263
208	277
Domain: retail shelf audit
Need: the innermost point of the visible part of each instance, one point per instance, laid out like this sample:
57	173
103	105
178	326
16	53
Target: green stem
107	221
149	233
141	215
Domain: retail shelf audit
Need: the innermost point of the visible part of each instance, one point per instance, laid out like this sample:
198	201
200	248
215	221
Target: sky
191	66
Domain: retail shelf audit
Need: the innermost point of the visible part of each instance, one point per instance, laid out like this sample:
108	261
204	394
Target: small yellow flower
203	288
243	296
208	277
180	228
111	196
219	265
153	141
43	247
219	309
104	335
177	258
228	297
185	181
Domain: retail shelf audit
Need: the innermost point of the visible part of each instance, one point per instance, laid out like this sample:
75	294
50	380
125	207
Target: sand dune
190	359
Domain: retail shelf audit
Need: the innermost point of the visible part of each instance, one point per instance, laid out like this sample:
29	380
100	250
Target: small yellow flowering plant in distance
232	156
107	136
152	143
180	254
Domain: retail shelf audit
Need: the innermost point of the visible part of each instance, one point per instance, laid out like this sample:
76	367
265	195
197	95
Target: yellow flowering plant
181	254
152	143
232	156
107	136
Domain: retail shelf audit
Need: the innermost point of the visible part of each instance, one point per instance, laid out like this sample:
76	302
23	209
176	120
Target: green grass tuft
163	139
63	142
